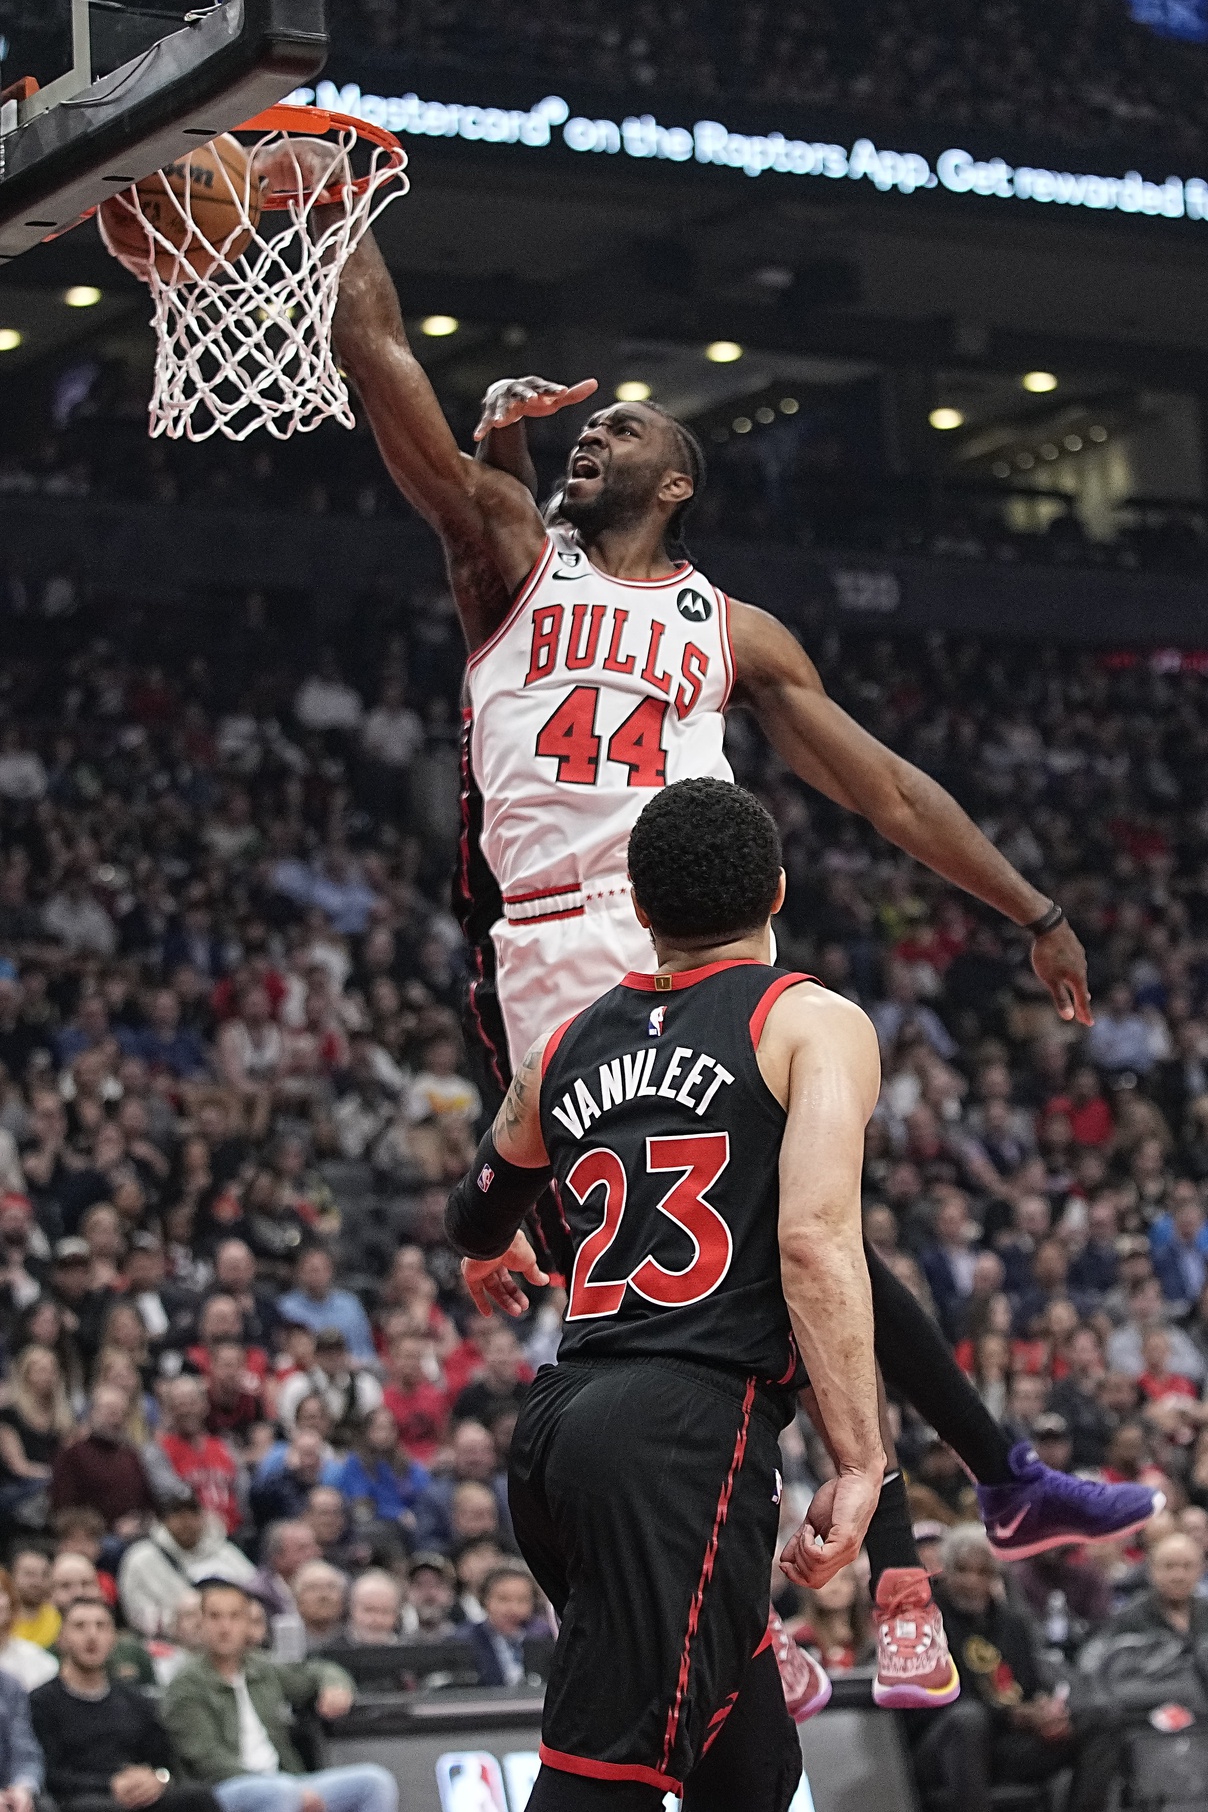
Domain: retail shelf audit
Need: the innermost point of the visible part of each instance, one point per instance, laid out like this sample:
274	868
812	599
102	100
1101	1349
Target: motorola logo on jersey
693	605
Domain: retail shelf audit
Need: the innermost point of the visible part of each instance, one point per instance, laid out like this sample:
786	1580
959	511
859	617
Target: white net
244	341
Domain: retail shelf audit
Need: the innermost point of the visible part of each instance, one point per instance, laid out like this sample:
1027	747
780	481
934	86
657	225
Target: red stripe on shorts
706	1572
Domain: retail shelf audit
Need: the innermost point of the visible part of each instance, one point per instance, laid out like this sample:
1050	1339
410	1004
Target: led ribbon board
710	142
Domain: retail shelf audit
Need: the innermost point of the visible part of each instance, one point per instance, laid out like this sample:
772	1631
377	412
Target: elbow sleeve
487	1206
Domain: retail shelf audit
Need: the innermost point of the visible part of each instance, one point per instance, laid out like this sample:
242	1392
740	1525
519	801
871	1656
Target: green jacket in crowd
200	1713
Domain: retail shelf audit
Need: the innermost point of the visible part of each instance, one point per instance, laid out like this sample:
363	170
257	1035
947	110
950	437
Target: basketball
200	202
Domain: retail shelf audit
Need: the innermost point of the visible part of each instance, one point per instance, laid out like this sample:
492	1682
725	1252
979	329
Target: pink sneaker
806	1685
914	1666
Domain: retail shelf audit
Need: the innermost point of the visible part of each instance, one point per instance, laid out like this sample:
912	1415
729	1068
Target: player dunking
705	1126
600	665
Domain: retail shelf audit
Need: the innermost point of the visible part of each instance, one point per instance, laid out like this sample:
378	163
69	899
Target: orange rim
315	122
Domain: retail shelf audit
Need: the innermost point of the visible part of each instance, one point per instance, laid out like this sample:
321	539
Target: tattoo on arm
525	1084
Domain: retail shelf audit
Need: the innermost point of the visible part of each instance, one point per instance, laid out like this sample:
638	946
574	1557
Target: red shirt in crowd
208	1470
224	1000
1154	1389
422	1414
461	1367
1148	1475
1091	1123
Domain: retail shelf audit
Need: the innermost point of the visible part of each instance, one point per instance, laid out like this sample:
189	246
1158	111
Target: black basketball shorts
644	1496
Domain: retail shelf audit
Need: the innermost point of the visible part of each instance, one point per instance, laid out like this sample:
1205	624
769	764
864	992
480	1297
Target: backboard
96	94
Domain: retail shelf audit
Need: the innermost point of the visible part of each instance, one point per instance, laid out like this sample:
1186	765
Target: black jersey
665	1143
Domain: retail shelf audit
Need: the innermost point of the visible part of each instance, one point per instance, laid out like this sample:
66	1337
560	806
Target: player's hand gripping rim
490	1281
509	400
833	1532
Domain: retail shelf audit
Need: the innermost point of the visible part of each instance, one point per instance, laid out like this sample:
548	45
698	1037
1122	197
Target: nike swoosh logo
1004	1531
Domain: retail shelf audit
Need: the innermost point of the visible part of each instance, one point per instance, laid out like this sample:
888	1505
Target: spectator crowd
1084	73
234	1094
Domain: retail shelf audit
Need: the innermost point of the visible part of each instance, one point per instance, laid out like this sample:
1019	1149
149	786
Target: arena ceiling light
633	390
945	419
439	327
10	339
1038	382
82	295
789	405
723	352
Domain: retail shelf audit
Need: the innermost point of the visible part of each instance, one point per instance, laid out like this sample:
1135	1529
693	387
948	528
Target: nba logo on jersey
655	1028
486	1177
470	1782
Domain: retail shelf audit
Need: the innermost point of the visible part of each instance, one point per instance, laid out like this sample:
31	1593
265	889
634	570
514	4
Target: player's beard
622	501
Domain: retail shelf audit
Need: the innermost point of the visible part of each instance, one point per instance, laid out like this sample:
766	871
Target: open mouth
584	465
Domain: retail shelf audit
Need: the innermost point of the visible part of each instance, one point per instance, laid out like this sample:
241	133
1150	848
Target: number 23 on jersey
700	1158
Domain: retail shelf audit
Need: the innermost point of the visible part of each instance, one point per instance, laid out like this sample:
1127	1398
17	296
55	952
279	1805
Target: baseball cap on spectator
330	1340
222	1582
1132	1245
73	1251
428	1561
183	1498
145	1242
1050	1427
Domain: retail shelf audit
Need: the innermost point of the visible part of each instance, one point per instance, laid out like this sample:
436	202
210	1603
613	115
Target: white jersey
592	693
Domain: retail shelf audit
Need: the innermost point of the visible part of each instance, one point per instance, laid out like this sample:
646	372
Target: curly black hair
705	859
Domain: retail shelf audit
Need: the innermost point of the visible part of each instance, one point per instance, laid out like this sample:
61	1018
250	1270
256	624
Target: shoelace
917	1630
910	1604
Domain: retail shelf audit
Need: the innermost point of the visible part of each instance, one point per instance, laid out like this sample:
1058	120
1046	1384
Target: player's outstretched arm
508	1174
819	1056
477	510
819	741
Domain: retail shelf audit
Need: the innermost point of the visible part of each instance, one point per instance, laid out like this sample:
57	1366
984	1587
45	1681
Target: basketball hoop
243	321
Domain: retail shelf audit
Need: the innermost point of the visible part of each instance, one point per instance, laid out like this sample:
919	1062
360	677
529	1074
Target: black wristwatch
1048	921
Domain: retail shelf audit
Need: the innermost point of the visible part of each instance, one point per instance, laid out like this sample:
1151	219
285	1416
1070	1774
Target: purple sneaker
1046	1509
